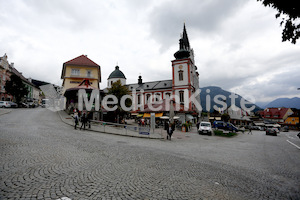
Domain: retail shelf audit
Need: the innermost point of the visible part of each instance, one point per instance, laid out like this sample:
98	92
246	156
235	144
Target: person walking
89	118
170	132
76	119
250	130
83	121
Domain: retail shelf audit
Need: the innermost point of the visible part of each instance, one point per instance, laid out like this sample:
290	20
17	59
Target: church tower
116	75
184	73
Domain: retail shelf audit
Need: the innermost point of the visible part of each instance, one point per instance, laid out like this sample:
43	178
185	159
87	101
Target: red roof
274	113
81	60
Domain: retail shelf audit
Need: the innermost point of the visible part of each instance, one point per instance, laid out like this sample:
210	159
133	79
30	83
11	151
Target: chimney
140	80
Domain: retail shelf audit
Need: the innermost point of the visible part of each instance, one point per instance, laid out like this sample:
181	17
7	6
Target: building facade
78	69
183	88
277	115
5	73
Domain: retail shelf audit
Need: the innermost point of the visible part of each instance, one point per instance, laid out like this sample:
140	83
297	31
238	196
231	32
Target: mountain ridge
284	102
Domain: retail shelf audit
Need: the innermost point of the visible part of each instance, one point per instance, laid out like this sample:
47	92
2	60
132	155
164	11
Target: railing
124	129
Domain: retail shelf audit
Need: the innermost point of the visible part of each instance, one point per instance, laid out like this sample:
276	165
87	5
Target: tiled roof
275	112
16	72
81	60
154	85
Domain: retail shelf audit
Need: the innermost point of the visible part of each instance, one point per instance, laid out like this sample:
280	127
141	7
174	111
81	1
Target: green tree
289	10
225	117
119	90
16	88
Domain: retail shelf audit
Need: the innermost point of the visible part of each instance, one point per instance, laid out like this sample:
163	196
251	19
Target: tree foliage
16	88
289	10
119	90
225	117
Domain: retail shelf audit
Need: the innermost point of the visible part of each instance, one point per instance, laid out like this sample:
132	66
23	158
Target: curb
108	132
5	112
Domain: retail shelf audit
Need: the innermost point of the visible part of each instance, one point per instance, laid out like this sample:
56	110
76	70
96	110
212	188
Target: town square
44	158
149	100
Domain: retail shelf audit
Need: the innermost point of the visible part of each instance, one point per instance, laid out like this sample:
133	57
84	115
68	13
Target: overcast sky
237	43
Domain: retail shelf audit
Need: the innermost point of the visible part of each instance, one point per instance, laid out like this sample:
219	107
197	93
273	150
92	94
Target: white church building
183	85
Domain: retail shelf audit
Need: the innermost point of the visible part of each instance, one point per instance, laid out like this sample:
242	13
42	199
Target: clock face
180	66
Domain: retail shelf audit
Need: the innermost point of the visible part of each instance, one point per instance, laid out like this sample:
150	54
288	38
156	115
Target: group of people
144	122
84	118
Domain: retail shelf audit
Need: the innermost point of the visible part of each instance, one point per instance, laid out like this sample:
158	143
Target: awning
164	117
215	118
146	115
139	115
156	115
190	117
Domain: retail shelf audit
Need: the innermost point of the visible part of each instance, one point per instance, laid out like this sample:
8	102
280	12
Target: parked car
272	131
205	128
12	104
5	104
256	128
23	105
225	126
219	124
285	129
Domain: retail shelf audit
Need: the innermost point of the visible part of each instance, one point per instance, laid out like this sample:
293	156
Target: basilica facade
182	89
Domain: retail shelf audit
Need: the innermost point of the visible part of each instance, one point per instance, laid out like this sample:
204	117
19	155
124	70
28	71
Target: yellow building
78	69
292	120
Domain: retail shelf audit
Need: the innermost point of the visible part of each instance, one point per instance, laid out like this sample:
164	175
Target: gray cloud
201	16
237	42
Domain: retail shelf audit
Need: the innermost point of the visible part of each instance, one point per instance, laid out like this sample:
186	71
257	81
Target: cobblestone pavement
43	158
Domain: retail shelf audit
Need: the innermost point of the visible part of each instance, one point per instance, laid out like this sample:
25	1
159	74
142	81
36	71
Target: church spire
185	39
184	46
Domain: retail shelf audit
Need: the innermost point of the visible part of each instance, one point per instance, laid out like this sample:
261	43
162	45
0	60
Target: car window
205	124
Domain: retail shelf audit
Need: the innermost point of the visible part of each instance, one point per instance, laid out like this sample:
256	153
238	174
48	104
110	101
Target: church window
148	98
157	97
139	99
180	75
181	96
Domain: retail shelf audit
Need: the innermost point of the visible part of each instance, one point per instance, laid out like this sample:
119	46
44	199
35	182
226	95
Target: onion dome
117	74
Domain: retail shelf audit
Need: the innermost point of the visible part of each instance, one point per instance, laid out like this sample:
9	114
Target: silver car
205	128
5	104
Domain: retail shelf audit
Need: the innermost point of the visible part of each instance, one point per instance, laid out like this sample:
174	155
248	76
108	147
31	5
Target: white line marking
292	144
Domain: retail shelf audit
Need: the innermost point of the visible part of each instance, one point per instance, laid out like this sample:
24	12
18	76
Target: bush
221	133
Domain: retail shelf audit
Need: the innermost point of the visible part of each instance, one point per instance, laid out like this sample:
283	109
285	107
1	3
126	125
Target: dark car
285	129
225	126
271	131
12	104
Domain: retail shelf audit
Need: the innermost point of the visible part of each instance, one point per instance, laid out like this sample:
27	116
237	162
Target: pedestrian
76	119
83	121
166	125
89	118
170	132
250	130
198	124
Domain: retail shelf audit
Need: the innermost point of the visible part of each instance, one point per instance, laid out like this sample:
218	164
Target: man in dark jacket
83	121
170	131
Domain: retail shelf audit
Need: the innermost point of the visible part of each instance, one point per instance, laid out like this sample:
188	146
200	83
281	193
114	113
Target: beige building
78	69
